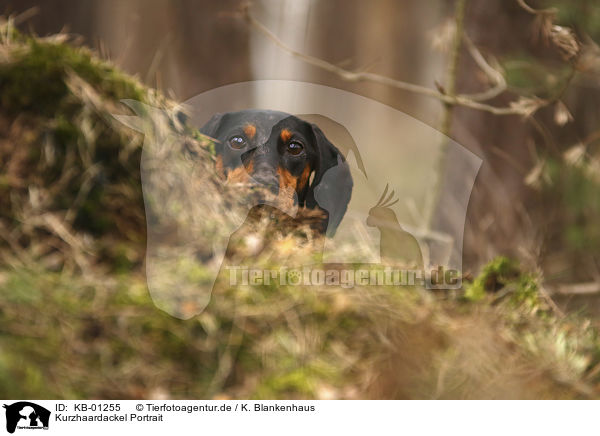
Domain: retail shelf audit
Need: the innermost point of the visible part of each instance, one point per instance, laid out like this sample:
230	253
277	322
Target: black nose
267	179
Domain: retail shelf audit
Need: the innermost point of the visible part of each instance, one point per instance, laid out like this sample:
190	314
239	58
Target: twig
546	296
84	189
459	18
536	11
353	76
508	158
591	138
440	165
591	288
21	254
494	75
9	24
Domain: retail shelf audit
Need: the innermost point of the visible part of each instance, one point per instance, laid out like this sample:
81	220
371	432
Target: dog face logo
26	415
287	155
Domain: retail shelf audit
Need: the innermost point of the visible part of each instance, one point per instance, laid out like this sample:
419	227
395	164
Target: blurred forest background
527	74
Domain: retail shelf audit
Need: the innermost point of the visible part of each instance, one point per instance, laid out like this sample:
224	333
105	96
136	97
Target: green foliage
34	80
570	187
65	336
57	103
528	75
493	277
57	333
61	141
503	276
576	189
98	334
581	14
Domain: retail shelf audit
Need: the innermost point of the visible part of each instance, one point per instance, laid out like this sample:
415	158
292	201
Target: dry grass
76	320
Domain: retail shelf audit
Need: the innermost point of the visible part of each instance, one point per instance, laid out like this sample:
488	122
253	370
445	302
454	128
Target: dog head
287	155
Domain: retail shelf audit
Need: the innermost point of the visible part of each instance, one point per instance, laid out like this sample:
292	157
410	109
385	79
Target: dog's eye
295	148
237	142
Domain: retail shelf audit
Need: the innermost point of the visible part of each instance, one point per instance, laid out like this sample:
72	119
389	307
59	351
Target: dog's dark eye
237	142
295	148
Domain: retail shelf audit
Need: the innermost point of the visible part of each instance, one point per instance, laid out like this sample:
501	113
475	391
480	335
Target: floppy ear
212	126
331	187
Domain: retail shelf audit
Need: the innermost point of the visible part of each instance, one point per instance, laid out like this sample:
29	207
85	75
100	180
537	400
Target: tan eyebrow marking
285	135
250	130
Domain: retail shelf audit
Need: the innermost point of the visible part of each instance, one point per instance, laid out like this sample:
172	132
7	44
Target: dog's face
280	151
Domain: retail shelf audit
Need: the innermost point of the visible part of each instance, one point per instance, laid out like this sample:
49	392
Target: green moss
204	140
79	337
99	335
36	78
23	289
504	275
69	132
300	381
294	379
526	291
494	276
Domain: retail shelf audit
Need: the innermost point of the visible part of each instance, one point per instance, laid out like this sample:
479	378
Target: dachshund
290	157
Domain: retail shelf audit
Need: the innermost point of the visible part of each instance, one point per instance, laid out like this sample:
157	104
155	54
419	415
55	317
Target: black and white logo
26	415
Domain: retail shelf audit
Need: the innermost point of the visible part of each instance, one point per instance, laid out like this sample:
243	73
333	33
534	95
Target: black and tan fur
284	153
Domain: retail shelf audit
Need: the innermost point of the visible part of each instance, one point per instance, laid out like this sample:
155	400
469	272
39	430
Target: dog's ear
331	187
212	126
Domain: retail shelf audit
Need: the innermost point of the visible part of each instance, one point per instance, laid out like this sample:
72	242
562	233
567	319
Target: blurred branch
546	296
350	76
7	25
591	138
24	16
459	18
563	38
446	127
494	75
536	11
13	243
520	107
590	288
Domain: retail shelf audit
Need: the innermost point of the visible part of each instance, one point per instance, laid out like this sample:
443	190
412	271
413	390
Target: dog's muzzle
267	178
